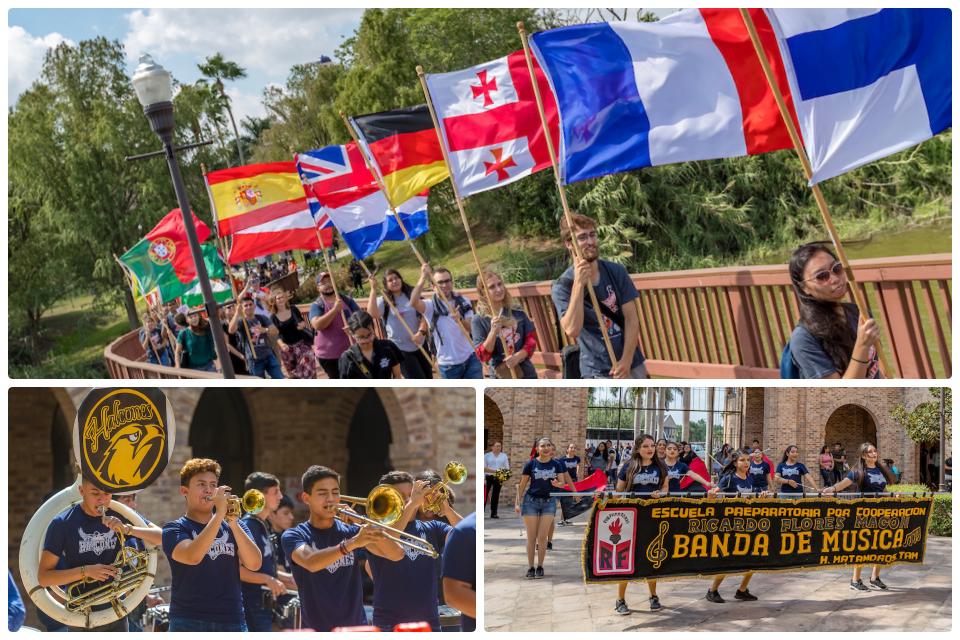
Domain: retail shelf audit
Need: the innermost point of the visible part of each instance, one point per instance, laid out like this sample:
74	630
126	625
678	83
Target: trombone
384	506
454	472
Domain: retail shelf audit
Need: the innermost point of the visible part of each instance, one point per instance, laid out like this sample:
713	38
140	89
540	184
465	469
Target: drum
287	613
157	618
449	618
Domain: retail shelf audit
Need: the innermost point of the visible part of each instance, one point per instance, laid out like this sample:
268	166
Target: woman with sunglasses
831	340
368	357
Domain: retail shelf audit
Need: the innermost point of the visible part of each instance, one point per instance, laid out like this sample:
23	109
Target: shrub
941	524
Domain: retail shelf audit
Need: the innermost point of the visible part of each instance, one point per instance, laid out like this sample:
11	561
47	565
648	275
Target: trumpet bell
455	472
384	504
252	502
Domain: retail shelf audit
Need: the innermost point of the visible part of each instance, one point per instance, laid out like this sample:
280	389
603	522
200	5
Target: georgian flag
490	123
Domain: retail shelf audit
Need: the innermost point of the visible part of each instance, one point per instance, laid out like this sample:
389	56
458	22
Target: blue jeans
258	619
166	359
469	369
265	365
193	626
532	506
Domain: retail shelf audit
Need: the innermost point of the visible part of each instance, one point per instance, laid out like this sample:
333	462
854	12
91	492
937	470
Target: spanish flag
405	150
263	207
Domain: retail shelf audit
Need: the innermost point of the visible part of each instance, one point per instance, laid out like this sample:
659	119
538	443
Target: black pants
491	486
415	366
330	366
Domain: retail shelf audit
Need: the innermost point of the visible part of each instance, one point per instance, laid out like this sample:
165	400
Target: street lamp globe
152	82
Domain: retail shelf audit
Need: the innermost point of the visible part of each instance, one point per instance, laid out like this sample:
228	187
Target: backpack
788	366
440	309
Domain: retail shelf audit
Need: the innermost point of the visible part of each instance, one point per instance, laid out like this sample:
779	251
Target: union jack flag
335	175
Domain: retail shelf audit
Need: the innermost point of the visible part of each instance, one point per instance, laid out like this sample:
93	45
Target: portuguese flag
164	253
169	286
404	147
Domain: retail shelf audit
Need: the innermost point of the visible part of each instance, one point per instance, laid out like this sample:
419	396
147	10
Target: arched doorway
851	425
221	429
368	443
492	423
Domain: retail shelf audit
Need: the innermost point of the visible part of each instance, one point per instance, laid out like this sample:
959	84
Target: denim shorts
532	506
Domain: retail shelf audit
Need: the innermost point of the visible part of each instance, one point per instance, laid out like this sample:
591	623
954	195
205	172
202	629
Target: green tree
217	68
922	423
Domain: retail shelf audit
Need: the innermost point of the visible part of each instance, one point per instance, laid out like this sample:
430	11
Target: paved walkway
918	598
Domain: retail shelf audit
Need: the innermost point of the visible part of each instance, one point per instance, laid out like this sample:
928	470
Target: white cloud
25	58
244	104
269	40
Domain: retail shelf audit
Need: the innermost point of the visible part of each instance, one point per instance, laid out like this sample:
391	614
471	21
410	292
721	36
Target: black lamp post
155	92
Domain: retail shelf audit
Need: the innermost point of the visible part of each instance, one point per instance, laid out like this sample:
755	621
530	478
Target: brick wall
291	429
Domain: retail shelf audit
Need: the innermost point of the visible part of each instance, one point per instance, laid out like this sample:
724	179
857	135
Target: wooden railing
722	323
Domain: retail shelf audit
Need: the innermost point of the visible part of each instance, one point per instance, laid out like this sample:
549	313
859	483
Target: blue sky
267	42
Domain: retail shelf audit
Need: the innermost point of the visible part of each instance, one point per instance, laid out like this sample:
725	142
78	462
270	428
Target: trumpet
455	472
384	506
252	502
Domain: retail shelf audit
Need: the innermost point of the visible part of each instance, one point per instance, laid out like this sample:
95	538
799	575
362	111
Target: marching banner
633	539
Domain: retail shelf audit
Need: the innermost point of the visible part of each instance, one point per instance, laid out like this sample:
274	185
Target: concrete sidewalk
918	598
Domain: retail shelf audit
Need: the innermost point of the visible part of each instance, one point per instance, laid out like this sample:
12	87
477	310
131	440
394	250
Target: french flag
688	87
867	82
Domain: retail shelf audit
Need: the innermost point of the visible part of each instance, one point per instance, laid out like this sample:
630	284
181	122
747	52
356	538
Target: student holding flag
401	319
503	324
456	358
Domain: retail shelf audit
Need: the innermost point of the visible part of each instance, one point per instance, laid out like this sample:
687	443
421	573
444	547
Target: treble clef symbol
656	554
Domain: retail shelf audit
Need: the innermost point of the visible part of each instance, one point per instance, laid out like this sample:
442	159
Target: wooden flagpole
563	192
221	242
858	295
133	294
463	213
396	312
393	209
333	280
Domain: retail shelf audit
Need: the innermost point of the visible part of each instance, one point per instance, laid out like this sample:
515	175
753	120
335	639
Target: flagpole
133	294
222	244
463	213
416	252
858	295
333	280
396	312
563	192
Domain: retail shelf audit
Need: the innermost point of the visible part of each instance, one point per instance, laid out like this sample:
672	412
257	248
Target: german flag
404	146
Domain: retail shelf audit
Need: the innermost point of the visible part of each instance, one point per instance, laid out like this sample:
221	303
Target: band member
869	475
493	461
677	470
281	520
322	549
135	617
82	542
257	605
644	474
572	462
460	571
791	474
206	549
760	471
539	509
406	590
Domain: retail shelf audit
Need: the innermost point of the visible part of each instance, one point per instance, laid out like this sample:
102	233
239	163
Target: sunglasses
824	276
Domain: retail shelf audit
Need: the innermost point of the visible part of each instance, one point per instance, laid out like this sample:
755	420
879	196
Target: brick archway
492	423
851	425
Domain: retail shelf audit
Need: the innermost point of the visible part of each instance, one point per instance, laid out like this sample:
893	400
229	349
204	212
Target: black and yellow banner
630	539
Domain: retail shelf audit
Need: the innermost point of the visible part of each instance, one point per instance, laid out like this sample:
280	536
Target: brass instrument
252	502
384	506
455	472
502	475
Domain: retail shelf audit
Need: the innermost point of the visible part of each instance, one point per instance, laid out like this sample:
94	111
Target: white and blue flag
866	83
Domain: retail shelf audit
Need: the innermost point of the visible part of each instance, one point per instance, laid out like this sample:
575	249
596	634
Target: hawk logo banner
613	549
123	438
633	539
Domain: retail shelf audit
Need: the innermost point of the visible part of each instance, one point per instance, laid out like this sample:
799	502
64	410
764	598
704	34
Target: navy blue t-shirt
541	476
734	484
647	478
406	590
676	474
331	597
208	591
813	361
793	472
874	482
571	465
460	560
80	539
262	536
759	474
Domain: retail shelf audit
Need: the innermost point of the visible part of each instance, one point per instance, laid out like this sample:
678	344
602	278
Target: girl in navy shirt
870	475
676	470
736	481
539	477
792	476
760	471
644	473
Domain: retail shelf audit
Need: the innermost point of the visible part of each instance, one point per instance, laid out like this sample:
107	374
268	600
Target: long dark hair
606	452
787	450
404	287
860	471
635	462
819	317
731	466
